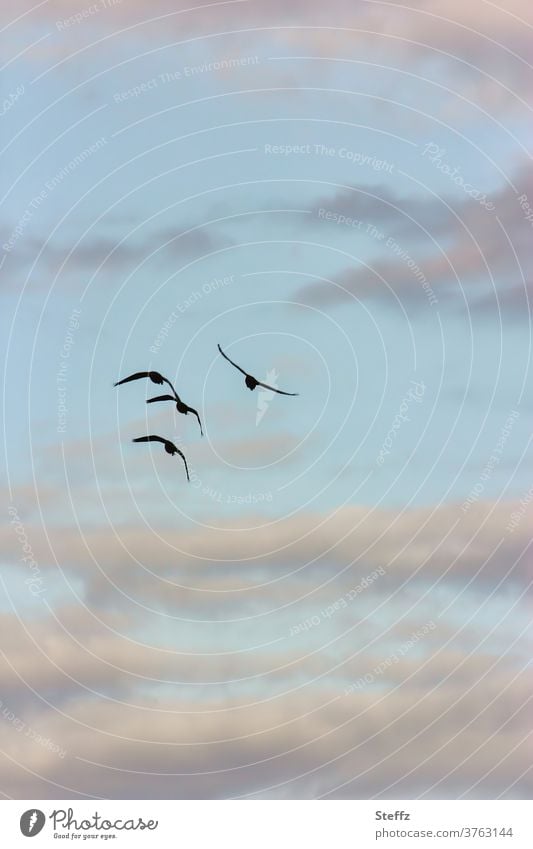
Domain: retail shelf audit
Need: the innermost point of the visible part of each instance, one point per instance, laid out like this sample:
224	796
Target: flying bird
170	448
154	376
180	406
250	381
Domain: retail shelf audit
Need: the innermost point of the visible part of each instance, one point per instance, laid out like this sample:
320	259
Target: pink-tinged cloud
469	31
463	734
213	568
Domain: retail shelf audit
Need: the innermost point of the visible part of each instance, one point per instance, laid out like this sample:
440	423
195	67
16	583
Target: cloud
221	707
457	35
425	15
509	302
461	736
179	566
174	244
426	244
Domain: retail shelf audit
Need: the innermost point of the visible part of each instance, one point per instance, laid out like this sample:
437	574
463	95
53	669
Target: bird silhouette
181	407
250	381
170	448
154	376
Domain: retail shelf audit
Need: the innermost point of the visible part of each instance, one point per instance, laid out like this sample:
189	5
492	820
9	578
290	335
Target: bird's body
250	381
170	448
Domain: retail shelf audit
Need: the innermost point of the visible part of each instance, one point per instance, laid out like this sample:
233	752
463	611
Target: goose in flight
252	382
154	376
170	448
180	406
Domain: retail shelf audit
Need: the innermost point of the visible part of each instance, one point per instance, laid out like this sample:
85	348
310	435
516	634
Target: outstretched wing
171	386
150	438
272	389
160	398
136	376
232	363
195	413
182	455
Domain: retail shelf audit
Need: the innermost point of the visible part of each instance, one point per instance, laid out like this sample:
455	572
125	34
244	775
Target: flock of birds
157	378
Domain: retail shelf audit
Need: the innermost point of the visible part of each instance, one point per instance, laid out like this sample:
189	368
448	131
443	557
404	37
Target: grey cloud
470	246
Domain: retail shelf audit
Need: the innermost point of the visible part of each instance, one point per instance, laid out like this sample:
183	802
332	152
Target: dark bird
154	376
252	382
180	406
170	448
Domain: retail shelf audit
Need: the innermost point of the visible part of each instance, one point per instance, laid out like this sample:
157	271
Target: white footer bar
269	824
